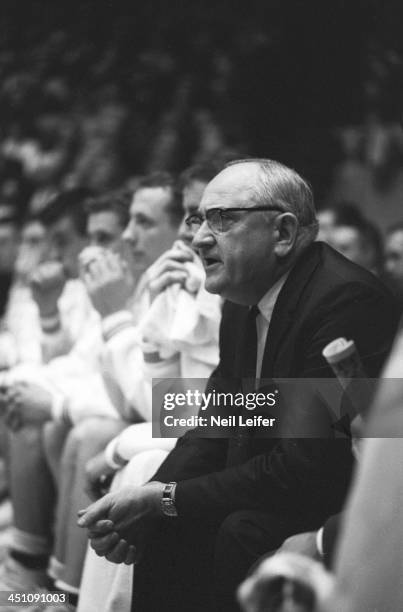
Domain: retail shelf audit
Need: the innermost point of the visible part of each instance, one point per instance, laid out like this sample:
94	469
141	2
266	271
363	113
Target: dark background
115	89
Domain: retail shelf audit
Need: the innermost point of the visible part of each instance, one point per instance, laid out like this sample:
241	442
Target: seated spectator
338	213
346	230
18	340
83	382
48	316
216	504
8	251
182	328
32	485
393	260
32	248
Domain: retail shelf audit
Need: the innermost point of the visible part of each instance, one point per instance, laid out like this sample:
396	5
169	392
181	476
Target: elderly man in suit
216	504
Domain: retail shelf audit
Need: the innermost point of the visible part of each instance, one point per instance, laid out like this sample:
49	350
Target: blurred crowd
101	291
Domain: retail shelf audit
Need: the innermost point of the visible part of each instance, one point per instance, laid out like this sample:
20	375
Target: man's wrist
160	495
115	323
50	321
168	506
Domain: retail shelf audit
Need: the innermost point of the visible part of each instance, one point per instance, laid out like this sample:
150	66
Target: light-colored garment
108	586
26	342
369	561
182	329
266	307
81	382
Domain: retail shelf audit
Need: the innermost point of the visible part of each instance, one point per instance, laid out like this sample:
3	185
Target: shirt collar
268	301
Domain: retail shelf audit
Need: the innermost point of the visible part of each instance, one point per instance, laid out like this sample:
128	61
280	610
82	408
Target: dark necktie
249	356
238	447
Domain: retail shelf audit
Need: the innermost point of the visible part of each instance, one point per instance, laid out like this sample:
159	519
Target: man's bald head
258	215
278	184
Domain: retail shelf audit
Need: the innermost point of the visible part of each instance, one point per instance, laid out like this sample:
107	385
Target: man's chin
213	285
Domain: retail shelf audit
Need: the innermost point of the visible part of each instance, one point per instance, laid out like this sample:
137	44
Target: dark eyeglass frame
190	220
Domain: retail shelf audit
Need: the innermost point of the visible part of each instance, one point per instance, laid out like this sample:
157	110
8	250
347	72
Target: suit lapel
287	302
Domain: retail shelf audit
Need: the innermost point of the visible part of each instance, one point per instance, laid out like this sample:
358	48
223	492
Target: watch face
168	507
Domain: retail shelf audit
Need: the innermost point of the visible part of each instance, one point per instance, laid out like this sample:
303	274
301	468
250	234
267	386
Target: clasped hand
121	515
25	403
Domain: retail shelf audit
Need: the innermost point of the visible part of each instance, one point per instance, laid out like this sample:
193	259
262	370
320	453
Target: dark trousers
197	568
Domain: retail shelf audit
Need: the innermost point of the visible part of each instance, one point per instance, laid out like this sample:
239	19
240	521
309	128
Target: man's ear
286	230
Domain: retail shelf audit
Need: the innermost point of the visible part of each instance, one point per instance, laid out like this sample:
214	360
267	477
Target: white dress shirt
266	307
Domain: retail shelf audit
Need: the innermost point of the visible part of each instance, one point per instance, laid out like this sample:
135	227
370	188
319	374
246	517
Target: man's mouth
210	262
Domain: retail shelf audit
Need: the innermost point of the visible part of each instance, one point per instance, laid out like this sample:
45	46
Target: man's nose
389	266
185	233
204	237
130	233
53	253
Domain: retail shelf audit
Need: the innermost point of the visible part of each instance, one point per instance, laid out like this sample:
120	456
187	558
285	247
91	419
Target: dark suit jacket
325	297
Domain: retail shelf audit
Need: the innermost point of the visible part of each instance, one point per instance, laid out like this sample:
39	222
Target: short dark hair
396	227
117	201
165	180
345	212
8	214
69	203
348	214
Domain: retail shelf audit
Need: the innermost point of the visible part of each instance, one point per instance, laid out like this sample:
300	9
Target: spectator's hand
286	582
98	475
109	283
303	544
47	282
110	518
8	351
27	404
169	269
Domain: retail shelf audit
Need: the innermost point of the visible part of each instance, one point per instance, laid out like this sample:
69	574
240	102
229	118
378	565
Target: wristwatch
168	500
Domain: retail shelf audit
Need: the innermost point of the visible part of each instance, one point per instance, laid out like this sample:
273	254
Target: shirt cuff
51	325
154	354
115	323
60	408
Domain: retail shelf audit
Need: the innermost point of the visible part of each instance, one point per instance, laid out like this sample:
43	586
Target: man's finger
131	555
103	545
101	528
119	553
165	280
180	255
167	266
95	512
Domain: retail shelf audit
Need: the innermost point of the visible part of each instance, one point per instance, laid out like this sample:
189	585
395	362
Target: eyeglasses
220	220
